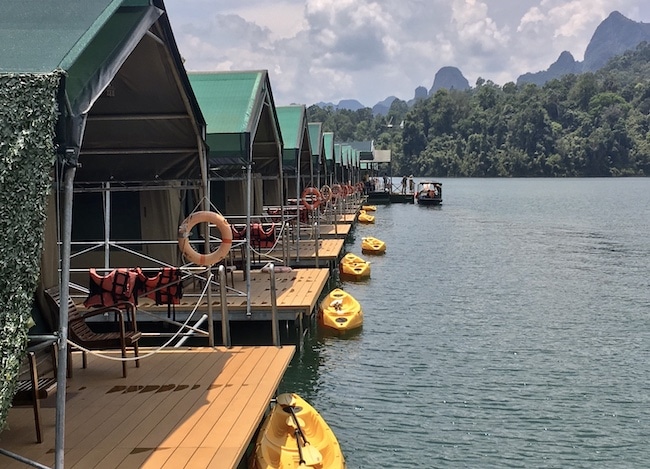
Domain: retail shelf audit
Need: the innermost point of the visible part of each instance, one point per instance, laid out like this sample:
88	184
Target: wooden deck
192	408
338	230
302	253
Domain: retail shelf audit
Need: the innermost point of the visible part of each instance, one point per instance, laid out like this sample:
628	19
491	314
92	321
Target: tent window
88	217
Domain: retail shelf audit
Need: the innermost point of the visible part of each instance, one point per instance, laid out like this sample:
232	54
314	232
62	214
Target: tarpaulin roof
316	142
364	148
124	71
328	151
242	123
293	124
337	154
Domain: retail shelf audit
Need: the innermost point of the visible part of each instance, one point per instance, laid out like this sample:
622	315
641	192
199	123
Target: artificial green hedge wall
28	114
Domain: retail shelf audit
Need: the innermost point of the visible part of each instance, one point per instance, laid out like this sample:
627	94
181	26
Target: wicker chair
81	334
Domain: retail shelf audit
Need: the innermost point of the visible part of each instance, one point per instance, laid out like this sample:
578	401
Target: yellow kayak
365	218
340	311
370	245
352	267
369	208
295	435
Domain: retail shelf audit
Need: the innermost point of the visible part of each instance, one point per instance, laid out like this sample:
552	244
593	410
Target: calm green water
509	327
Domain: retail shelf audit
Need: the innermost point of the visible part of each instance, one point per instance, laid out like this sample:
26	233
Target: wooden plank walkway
338	230
183	408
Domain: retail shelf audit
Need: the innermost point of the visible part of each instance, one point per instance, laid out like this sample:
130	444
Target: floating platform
382	197
187	407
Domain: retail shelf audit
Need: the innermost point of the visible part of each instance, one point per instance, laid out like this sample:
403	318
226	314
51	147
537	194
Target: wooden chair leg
36	401
135	350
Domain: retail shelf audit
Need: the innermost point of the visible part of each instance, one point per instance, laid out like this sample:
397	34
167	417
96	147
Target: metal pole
275	326
249	189
62	369
107	224
225	323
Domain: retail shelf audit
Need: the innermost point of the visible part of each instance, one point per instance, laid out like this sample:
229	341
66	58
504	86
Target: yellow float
365	218
370	245
340	311
352	267
295	435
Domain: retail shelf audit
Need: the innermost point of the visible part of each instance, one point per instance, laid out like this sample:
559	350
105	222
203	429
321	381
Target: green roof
316	140
121	61
328	146
87	38
227	99
337	153
293	124
239	111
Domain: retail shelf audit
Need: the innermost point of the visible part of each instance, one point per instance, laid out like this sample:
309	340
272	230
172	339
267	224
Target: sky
368	50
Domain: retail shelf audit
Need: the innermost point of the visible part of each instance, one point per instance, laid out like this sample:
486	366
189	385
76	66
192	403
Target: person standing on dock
386	187
404	181
411	185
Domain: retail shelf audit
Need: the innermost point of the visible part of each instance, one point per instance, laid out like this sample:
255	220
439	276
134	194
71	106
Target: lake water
509	327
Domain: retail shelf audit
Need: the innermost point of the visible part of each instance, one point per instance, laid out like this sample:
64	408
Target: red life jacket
261	237
118	285
165	287
238	233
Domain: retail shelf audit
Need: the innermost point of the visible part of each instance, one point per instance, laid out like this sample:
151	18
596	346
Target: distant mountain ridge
613	36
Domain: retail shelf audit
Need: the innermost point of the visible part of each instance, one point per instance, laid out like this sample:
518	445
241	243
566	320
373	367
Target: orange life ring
326	193
336	191
314	201
186	228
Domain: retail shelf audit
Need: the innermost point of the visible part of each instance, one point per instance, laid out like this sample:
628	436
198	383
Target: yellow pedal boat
370	245
369	208
340	311
365	218
352	267
295	435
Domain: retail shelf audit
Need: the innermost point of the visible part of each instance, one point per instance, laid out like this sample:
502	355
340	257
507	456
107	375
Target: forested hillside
593	124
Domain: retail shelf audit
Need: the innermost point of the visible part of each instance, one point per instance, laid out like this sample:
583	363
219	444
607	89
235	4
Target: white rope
156	350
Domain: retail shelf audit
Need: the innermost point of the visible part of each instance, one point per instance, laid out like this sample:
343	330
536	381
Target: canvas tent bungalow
245	147
128	133
244	137
296	154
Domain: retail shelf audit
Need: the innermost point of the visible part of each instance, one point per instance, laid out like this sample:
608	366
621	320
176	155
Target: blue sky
328	50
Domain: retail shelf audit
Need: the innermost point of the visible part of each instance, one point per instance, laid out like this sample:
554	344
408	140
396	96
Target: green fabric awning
242	123
126	92
293	124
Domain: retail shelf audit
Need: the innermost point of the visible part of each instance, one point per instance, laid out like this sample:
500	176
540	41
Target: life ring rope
185	230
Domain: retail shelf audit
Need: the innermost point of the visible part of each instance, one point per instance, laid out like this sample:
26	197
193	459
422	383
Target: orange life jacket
261	237
107	290
165	287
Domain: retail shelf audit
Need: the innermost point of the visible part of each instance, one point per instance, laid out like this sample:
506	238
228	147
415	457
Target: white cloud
327	50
